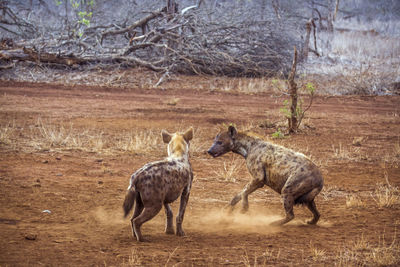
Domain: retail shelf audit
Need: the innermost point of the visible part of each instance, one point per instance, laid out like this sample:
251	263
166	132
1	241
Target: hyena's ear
232	131
166	136
188	135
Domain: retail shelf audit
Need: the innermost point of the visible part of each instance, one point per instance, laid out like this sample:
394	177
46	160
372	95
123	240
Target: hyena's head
178	144
223	142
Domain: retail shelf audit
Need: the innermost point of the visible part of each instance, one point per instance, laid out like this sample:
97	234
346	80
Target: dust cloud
108	217
218	220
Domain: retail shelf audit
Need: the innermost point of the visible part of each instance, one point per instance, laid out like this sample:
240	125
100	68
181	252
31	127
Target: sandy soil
66	159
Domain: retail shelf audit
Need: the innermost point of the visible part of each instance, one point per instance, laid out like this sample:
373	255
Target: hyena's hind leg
169	224
313	208
288	203
138	210
147	214
309	201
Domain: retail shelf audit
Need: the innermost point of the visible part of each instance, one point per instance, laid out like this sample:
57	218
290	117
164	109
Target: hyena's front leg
244	195
248	189
182	208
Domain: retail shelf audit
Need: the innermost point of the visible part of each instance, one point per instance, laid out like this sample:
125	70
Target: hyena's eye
219	143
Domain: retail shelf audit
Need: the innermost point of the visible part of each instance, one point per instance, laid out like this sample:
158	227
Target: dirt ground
66	155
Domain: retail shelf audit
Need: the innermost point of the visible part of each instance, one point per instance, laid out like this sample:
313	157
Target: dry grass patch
363	252
50	136
140	141
265	259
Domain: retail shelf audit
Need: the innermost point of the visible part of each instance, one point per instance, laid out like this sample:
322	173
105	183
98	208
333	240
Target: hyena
287	172
160	183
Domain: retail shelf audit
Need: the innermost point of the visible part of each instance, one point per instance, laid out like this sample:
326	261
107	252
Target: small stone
30	236
100	182
58	158
357	141
99	160
45	161
38	180
59	174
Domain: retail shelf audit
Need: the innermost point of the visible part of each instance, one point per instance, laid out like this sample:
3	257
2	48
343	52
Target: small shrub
278	134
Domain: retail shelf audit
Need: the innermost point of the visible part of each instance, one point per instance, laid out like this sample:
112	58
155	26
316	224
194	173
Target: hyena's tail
129	200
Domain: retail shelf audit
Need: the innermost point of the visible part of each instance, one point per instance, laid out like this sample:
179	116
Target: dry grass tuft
330	192
54	135
316	253
230	171
386	195
354	201
6	132
340	152
172	101
265	259
135	259
397	149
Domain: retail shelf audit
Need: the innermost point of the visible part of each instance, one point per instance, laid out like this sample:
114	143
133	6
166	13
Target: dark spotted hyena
289	173
160	183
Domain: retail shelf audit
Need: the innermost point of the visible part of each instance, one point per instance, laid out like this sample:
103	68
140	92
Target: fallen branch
139	23
9	66
29	54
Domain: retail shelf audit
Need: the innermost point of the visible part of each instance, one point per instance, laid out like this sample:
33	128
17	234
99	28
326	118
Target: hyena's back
161	181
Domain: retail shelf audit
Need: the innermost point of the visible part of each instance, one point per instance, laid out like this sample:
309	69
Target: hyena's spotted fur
159	183
287	172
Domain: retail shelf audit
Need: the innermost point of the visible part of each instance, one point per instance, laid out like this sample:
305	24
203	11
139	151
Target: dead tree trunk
293	120
275	5
330	17
306	45
336	10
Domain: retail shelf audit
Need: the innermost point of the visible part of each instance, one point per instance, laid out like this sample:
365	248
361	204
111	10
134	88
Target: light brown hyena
160	183
289	173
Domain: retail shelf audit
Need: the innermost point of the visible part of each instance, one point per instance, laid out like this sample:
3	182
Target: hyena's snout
211	152
216	150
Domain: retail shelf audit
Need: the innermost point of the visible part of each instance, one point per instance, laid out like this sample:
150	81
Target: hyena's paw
170	231
228	209
180	232
244	209
312	221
